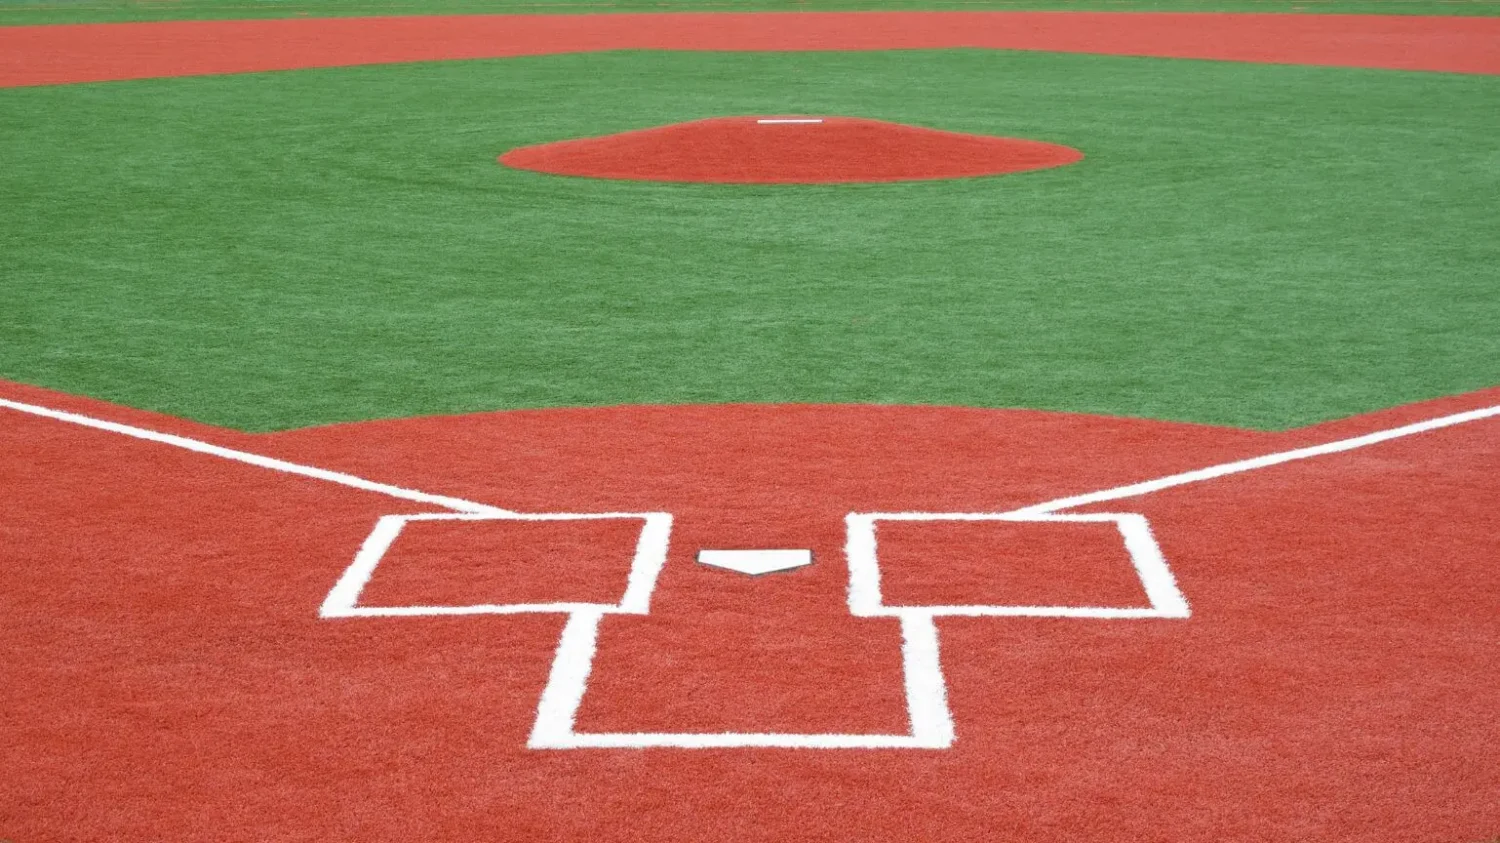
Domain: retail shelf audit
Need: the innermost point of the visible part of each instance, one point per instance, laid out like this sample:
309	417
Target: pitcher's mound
789	150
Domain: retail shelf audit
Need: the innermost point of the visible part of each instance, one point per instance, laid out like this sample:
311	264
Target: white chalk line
261	461
461	505
555	727
1159	587
1240	466
645	566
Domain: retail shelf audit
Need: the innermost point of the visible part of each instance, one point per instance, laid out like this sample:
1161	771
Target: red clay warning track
785	150
167	676
53	55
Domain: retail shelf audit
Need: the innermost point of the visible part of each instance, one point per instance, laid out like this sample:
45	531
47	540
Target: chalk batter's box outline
646	565
865	600
931	721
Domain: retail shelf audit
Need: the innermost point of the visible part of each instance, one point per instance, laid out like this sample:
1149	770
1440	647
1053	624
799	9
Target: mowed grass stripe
1261	246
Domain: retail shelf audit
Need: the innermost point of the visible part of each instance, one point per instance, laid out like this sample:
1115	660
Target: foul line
1132	490
1146	487
198	446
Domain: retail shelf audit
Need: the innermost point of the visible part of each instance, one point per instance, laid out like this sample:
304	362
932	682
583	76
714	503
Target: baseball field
1024	421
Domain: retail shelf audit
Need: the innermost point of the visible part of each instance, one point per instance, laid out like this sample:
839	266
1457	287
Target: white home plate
755	562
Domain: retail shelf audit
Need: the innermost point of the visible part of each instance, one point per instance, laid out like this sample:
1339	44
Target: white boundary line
646	564
926	690
258	460
926	702
1160	587
1240	466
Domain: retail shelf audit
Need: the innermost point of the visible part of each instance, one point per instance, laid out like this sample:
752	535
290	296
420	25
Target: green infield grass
1254	245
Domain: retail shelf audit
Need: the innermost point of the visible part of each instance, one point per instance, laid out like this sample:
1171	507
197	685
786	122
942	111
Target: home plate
755	562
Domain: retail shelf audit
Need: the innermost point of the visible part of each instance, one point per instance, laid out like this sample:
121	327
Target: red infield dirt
789	150
50	55
168	676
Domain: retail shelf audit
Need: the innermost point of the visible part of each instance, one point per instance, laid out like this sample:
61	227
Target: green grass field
1252	245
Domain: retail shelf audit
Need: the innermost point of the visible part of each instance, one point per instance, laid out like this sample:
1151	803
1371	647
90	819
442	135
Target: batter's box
451	564
1104	565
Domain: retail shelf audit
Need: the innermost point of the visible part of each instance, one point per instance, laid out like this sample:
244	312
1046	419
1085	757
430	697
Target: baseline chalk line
259	460
461	505
1146	487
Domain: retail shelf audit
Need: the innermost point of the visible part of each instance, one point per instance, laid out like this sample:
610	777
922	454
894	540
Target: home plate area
423	565
1002	632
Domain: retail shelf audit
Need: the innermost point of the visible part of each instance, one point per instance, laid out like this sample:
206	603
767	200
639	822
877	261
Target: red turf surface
740	150
49	55
168	677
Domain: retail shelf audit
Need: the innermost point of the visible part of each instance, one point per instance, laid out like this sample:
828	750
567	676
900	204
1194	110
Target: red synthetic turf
742	150
50	55
168	678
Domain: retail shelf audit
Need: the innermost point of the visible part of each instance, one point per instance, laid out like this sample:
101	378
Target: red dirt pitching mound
789	150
